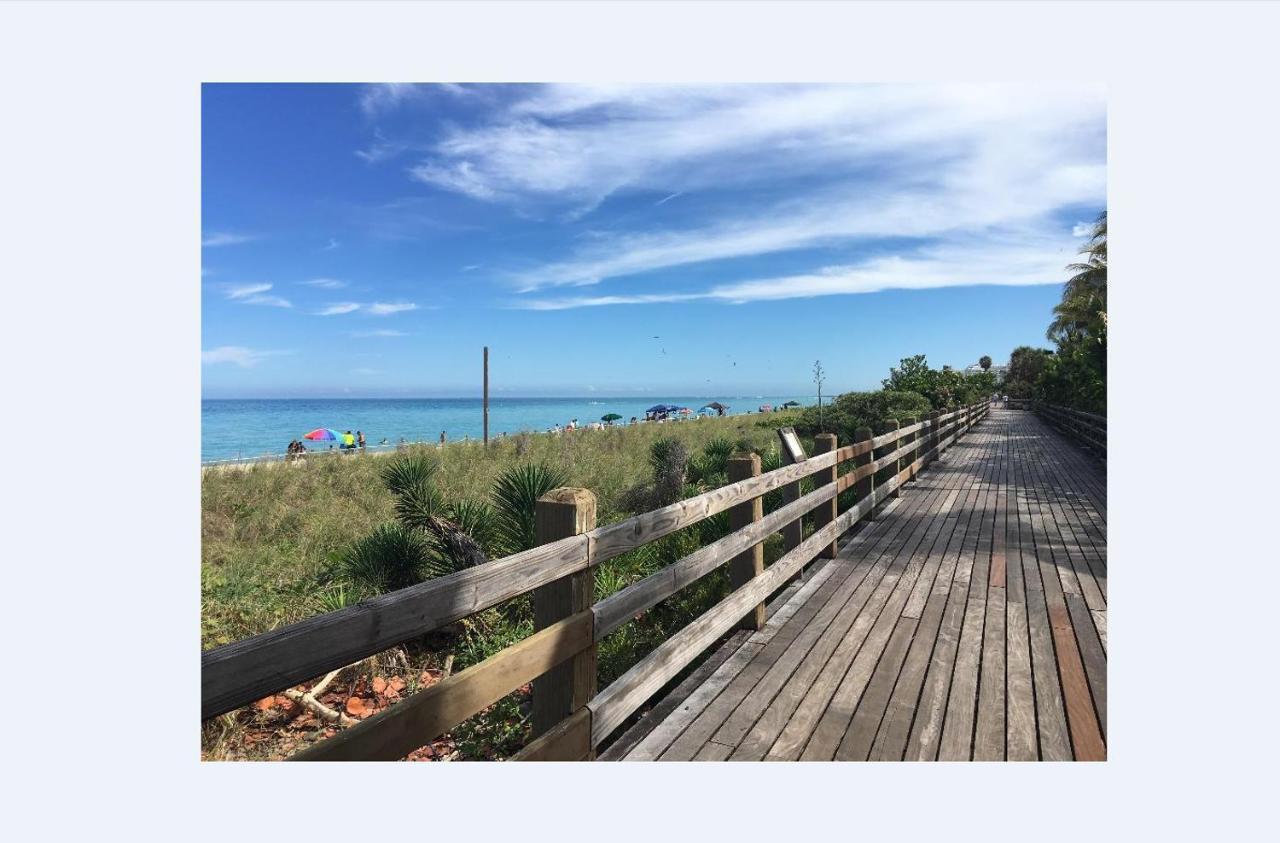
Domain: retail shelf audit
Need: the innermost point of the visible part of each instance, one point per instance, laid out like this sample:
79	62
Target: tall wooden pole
486	395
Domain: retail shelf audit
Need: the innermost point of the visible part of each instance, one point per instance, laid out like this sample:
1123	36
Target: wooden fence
1086	427
570	716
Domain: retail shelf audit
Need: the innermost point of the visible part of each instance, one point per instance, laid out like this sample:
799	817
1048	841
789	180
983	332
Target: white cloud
386	309
225	238
325	283
339	308
268	301
856	161
1014	260
238	355
254	294
243	291
378	99
1081	229
330	246
382	333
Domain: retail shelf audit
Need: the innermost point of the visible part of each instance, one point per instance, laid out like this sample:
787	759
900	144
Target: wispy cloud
324	283
825	164
254	294
378	99
244	291
225	238
1012	262
373	309
388	308
386	332
330	246
238	355
339	309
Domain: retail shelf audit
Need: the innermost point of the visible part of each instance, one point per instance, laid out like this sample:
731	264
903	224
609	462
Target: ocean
233	429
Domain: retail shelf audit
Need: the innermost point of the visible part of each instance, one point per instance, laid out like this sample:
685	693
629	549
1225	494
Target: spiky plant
408	472
669	459
478	520
515	498
392	557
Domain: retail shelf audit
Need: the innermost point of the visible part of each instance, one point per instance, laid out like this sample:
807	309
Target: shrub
515	497
852	410
669	459
390	558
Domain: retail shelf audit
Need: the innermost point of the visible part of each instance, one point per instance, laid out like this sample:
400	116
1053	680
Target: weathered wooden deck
967	621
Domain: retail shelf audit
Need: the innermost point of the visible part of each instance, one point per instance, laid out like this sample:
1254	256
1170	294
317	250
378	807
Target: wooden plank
646	741
397	731
895	727
621	606
240	673
615	703
748	564
701	728
926	731
824	514
873	560
812	707
1055	743
565	688
568	740
627	535
962	701
878	625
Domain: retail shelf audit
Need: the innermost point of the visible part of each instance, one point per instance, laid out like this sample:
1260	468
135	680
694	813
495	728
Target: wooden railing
570	718
1086	427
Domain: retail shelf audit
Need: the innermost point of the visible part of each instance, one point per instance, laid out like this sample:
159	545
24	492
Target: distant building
996	369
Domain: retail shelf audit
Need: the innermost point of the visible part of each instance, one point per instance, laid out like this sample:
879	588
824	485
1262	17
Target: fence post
864	487
750	563
935	433
905	462
883	475
826	512
793	533
568	686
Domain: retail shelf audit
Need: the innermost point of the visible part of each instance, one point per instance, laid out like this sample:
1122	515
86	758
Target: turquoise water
240	428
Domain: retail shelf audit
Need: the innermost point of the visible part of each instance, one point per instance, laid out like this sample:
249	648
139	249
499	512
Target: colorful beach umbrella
323	434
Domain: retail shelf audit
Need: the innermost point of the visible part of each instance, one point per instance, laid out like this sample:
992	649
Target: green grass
273	535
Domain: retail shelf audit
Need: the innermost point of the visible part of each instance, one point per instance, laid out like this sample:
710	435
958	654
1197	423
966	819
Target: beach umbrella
707	411
716	405
323	434
609	417
657	408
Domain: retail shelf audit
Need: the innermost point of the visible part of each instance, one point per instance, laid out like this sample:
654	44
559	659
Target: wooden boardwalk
966	622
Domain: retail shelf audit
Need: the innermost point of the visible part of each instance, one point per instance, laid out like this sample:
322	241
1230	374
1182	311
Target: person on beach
348	441
442	439
360	439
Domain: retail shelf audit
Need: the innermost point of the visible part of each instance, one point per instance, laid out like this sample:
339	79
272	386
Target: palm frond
515	499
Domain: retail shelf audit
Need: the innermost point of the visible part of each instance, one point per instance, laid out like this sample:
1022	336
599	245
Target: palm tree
1082	313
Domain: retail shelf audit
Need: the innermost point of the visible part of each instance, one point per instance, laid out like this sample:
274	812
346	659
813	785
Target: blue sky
625	240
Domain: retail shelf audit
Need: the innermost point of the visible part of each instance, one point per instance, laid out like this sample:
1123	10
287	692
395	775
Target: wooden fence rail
573	718
1088	428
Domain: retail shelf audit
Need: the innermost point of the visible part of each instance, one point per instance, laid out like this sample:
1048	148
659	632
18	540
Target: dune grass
272	534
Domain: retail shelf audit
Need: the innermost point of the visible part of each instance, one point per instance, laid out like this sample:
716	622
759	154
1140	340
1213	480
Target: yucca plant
479	521
669	459
392	557
515	499
407	472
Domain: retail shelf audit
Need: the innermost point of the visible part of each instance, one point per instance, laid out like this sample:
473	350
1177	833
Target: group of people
348	442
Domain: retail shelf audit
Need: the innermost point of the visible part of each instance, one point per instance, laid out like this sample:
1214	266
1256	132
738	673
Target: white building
996	369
